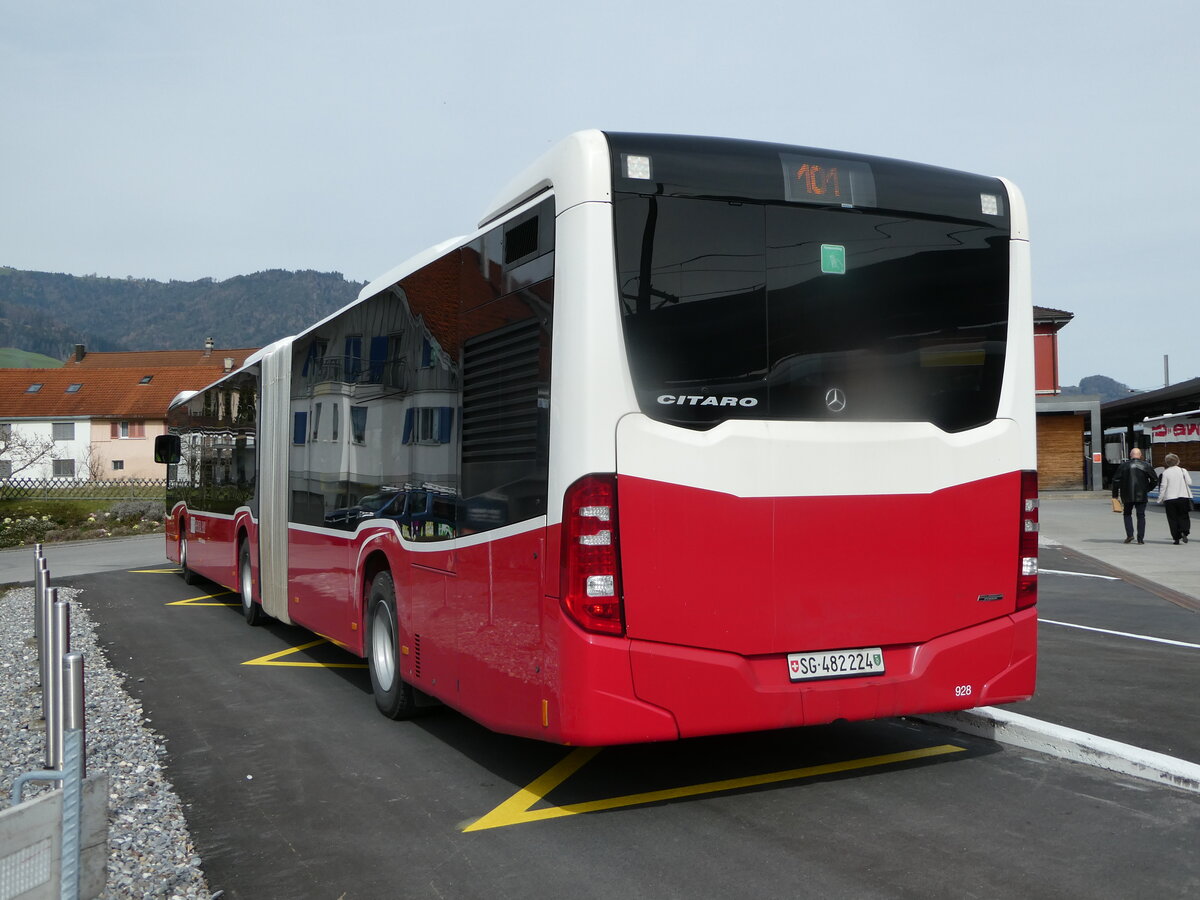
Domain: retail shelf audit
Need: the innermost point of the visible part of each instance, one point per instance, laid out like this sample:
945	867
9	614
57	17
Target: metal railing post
74	769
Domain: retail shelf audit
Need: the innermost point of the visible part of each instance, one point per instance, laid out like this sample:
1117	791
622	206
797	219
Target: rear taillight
591	577
1027	571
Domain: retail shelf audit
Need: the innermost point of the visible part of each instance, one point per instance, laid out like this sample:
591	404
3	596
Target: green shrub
24	530
130	512
31	521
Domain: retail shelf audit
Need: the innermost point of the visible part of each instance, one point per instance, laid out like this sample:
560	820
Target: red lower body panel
487	640
592	690
212	548
576	688
711	692
765	575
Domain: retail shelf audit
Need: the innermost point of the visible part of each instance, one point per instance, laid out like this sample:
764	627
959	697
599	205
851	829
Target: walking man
1133	480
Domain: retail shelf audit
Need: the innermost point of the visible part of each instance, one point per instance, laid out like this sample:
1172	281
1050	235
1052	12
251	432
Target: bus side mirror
167	449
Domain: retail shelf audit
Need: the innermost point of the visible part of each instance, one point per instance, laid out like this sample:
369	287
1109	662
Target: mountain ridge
49	313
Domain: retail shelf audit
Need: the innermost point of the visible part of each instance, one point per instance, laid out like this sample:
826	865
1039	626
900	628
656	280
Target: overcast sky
174	140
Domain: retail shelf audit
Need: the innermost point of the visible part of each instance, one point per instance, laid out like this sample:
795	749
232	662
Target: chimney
229	364
208	346
80	352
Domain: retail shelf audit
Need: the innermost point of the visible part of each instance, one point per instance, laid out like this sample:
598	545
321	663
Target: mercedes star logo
835	400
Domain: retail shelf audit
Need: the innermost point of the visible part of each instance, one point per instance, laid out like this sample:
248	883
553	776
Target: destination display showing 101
824	180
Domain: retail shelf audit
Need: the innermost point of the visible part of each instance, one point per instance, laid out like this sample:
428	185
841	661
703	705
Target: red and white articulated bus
690	436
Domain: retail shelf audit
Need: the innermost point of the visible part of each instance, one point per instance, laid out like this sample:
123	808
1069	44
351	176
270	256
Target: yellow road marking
518	809
174	571
196	601
272	659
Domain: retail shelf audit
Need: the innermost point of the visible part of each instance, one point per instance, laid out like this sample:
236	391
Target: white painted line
1077	574
1077	746
1140	637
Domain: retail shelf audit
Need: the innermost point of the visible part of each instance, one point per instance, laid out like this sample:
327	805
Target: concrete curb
1067	743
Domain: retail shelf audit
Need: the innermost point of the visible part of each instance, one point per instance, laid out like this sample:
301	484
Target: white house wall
43	429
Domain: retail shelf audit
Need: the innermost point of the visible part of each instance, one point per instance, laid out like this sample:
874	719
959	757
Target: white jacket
1175	484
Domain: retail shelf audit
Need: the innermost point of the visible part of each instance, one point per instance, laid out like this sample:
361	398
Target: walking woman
1175	493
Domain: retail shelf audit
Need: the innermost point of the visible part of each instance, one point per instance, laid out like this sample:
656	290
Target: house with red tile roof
97	420
152	360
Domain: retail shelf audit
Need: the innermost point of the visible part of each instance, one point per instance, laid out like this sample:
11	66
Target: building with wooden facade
1066	458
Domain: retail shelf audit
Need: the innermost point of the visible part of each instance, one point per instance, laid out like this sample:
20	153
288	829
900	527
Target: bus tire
189	577
394	697
252	611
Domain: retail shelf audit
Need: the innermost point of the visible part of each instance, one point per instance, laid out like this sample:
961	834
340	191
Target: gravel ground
150	851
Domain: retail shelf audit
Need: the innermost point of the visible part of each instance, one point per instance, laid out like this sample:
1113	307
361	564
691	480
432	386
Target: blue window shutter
445	414
299	427
408	426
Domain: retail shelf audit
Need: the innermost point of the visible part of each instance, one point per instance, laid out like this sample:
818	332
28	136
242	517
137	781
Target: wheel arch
374	561
242	536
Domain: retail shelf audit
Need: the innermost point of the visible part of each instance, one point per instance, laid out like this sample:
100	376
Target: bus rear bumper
712	692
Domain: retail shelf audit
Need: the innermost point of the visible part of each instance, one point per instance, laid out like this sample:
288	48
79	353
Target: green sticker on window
833	259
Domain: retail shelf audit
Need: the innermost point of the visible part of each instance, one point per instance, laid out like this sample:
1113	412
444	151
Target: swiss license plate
835	663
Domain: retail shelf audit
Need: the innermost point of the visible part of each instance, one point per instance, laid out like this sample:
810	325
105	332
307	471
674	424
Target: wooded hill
49	313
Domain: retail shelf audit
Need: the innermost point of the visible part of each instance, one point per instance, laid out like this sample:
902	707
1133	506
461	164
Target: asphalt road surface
295	787
83	558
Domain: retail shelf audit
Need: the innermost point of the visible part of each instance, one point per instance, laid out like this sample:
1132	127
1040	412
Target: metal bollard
41	627
38	556
57	647
49	596
74	717
41	581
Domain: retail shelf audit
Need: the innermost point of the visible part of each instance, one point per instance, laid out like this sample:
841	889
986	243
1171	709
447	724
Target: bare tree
24	451
91	463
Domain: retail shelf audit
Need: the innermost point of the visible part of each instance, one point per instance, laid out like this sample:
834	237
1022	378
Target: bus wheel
394	697
189	577
252	611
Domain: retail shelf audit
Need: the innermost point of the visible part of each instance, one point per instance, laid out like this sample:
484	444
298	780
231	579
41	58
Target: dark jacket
1133	480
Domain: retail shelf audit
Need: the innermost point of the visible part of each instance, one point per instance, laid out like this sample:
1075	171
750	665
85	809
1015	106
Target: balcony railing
391	374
